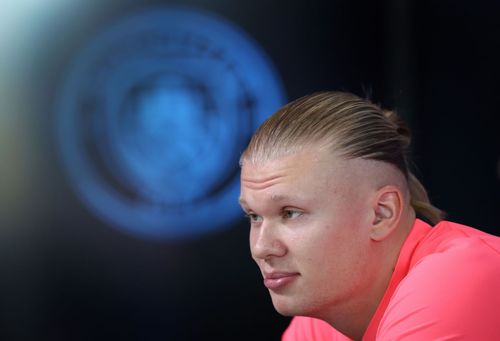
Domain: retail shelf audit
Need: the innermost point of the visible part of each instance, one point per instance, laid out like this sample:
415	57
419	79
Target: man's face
309	234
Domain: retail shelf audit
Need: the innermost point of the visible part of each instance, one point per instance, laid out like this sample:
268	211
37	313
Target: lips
279	280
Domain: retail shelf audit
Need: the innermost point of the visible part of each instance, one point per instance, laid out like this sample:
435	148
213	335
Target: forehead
307	171
286	166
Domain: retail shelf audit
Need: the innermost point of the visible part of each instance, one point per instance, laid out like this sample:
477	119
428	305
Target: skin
333	227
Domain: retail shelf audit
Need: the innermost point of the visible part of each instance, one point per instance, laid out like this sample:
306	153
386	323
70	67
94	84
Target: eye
254	218
291	214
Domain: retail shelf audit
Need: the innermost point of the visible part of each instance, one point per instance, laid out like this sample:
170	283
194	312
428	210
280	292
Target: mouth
279	280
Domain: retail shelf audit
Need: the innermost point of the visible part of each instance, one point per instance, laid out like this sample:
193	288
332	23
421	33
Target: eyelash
286	212
253	217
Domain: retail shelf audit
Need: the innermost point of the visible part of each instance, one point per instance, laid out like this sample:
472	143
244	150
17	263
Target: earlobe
387	210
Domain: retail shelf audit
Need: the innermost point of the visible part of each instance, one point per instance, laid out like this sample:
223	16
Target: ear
387	209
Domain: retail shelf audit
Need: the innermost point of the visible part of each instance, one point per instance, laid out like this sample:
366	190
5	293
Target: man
334	230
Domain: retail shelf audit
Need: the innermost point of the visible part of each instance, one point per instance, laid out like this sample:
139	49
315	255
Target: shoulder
448	236
451	289
307	328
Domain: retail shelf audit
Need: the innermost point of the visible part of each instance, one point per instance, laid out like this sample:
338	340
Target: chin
286	306
286	312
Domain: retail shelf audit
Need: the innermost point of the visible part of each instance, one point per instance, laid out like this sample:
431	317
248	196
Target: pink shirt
445	286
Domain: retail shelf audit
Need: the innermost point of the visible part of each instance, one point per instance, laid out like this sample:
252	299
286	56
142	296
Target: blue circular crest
153	115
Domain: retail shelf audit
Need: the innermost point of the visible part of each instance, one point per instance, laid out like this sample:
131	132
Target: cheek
317	246
334	250
336	269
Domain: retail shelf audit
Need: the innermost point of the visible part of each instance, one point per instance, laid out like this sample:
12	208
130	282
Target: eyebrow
274	198
279	197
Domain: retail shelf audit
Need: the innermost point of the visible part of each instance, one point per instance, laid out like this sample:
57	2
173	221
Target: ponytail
420	202
419	199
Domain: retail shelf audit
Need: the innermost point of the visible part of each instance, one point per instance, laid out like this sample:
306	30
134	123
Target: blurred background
121	123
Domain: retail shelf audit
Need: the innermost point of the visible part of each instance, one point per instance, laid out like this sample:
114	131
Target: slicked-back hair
346	124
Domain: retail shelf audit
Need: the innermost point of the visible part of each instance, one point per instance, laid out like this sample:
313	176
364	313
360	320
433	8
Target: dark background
66	275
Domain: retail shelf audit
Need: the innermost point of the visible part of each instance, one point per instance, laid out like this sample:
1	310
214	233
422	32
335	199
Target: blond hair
348	125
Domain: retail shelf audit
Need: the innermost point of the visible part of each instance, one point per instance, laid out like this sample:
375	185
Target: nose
266	241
